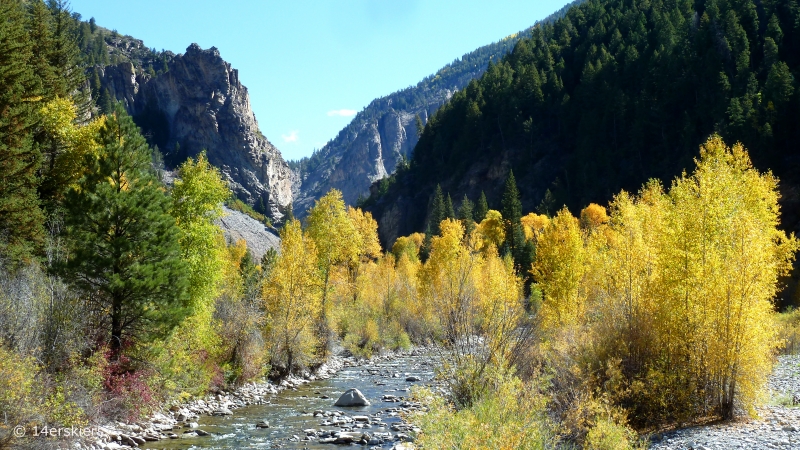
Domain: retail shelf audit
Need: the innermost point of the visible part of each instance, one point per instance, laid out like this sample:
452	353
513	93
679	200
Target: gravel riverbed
777	425
189	425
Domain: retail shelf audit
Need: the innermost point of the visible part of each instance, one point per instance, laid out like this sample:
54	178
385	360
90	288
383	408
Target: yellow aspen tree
623	276
501	310
725	254
416	314
337	243
447	280
365	239
491	230
593	216
191	352
292	299
409	245
558	271
533	225
58	119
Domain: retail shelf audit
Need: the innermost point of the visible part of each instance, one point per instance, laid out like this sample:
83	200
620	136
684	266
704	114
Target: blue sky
311	65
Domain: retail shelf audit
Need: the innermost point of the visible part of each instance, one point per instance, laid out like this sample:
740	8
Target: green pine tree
420	127
449	212
511	204
126	250
548	204
481	208
511	209
21	218
465	215
437	213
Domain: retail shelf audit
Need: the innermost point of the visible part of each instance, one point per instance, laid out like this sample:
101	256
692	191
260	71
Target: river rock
263	424
352	397
413	378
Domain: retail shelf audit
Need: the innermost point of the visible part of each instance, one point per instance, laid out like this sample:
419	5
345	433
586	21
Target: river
291	411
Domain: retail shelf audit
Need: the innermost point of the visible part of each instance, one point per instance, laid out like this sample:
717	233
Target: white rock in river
352	397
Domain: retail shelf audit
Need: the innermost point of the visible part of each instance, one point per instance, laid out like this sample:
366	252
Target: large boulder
352	397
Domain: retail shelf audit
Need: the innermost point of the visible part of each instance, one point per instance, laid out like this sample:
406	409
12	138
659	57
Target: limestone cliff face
200	104
366	151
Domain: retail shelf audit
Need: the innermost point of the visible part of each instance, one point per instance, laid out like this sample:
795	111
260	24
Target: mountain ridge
384	133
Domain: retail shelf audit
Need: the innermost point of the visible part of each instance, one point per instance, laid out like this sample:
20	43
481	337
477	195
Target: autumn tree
292	299
336	242
559	270
492	230
409	246
191	352
722	263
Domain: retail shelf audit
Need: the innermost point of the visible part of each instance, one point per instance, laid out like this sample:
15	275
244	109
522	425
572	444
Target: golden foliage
76	142
408	245
593	216
292	299
558	271
492	230
677	288
533	225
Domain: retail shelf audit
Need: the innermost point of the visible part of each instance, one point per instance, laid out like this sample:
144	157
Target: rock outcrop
200	104
364	152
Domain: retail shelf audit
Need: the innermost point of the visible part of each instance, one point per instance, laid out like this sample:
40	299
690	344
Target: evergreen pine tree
449	212
66	59
465	215
512	213
21	219
438	211
40	29
419	125
481	208
126	249
425	248
547	205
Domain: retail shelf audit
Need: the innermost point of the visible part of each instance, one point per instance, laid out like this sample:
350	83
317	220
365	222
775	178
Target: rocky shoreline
777	425
176	421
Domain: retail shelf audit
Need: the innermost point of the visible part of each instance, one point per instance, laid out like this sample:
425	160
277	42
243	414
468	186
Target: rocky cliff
370	147
368	150
200	104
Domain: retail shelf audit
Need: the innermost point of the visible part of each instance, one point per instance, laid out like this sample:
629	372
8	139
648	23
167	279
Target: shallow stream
291	411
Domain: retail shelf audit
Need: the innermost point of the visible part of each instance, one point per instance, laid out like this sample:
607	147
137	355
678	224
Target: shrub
511	417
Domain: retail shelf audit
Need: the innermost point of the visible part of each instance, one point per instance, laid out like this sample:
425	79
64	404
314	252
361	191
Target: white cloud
291	137
342	113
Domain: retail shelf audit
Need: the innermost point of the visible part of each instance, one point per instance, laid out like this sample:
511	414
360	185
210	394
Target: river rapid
305	416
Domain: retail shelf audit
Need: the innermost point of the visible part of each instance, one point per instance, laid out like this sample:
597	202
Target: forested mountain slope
614	93
385	132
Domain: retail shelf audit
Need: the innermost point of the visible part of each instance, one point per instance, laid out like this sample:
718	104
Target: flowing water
292	411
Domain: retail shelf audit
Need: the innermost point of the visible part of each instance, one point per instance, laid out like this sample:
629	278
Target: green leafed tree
196	202
126	248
